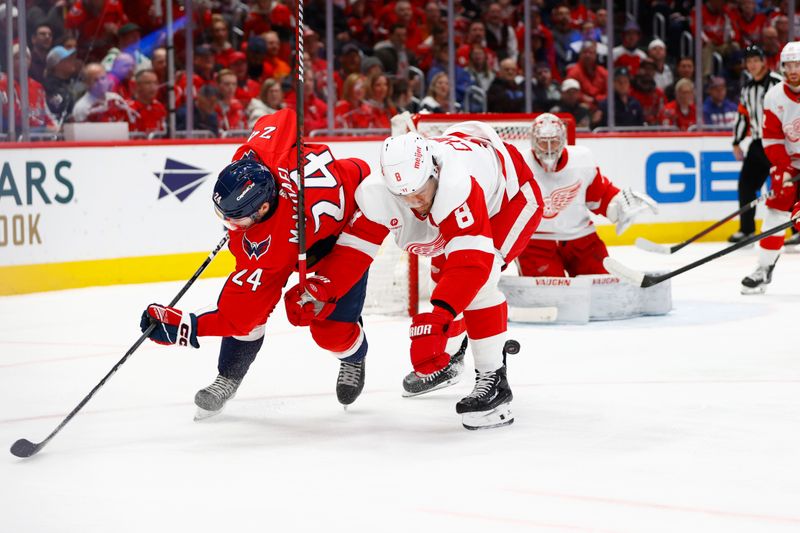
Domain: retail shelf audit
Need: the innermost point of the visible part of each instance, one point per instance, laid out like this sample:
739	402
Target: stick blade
621	271
650	246
24	448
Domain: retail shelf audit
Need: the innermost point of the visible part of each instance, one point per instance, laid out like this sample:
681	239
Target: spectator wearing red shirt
402	13
220	41
379	95
644	89
230	111
681	111
121	75
718	31
265	16
627	54
246	89
37	115
97	23
592	77
772	49
149	114
748	25
315	115
476	34
99	104
352	111
203	73
274	66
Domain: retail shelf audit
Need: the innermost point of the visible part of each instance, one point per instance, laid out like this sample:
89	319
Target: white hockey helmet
790	52
407	163
548	138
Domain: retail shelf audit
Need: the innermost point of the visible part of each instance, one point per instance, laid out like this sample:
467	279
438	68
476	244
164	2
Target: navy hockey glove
173	325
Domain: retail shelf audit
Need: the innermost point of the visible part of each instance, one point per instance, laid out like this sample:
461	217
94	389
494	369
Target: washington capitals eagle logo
255	250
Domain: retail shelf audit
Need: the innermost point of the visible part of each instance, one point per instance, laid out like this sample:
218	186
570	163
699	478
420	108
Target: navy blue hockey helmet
242	188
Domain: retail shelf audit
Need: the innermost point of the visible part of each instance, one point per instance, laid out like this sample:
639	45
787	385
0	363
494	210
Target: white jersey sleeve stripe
357	243
522	220
469	242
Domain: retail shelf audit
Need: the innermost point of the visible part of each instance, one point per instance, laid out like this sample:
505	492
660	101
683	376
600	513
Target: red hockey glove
174	326
313	303
796	215
428	340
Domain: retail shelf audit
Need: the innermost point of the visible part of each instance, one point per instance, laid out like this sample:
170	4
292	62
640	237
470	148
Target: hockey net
398	281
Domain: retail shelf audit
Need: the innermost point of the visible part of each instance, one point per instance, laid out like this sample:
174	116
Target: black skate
756	283
212	399
739	236
414	385
350	382
489	403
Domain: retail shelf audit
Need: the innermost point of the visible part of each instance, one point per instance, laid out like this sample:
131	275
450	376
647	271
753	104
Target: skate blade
753	290
444	384
497	417
201	414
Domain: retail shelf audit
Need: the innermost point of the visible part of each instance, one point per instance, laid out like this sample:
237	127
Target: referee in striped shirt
755	168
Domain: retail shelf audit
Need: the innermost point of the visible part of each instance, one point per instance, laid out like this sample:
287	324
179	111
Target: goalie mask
407	163
548	138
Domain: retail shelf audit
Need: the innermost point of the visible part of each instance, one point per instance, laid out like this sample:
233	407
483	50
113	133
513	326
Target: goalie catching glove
626	205
315	302
428	341
173	326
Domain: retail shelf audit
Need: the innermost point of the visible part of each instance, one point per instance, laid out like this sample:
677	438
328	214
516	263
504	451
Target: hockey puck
511	347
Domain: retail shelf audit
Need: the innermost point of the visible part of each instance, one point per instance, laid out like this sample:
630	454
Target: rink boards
78	214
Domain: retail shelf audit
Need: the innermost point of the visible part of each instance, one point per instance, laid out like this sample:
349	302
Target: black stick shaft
135	346
743	209
652	280
300	93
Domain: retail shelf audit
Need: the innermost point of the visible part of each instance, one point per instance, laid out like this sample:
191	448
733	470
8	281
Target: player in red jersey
256	198
467	200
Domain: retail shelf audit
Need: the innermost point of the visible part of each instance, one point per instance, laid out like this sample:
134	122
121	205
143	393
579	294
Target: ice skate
414	385
756	283
350	382
792	244
489	403
212	399
739	236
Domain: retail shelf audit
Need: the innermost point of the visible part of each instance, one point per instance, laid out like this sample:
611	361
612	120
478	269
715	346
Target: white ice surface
683	423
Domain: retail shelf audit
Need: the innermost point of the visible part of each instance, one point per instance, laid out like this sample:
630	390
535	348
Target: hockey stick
647	280
25	448
650	246
301	197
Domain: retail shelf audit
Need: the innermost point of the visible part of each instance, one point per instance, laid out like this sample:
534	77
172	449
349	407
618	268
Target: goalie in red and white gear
469	201
566	243
781	138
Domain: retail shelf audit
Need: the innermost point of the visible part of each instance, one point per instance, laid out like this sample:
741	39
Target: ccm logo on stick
416	331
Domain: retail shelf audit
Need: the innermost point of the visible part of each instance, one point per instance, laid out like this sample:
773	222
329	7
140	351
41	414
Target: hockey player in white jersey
566	243
781	138
467	200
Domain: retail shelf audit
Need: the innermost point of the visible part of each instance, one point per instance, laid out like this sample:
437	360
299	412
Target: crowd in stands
105	60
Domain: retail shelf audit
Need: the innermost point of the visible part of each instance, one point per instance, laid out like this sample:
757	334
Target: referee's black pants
755	171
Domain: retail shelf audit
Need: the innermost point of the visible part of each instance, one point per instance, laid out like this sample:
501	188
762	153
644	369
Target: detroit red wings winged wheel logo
560	199
792	130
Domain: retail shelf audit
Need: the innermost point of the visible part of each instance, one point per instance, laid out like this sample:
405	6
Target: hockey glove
313	303
428	341
796	215
626	205
173	326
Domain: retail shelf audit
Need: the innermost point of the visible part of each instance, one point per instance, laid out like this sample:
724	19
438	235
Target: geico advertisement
71	204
